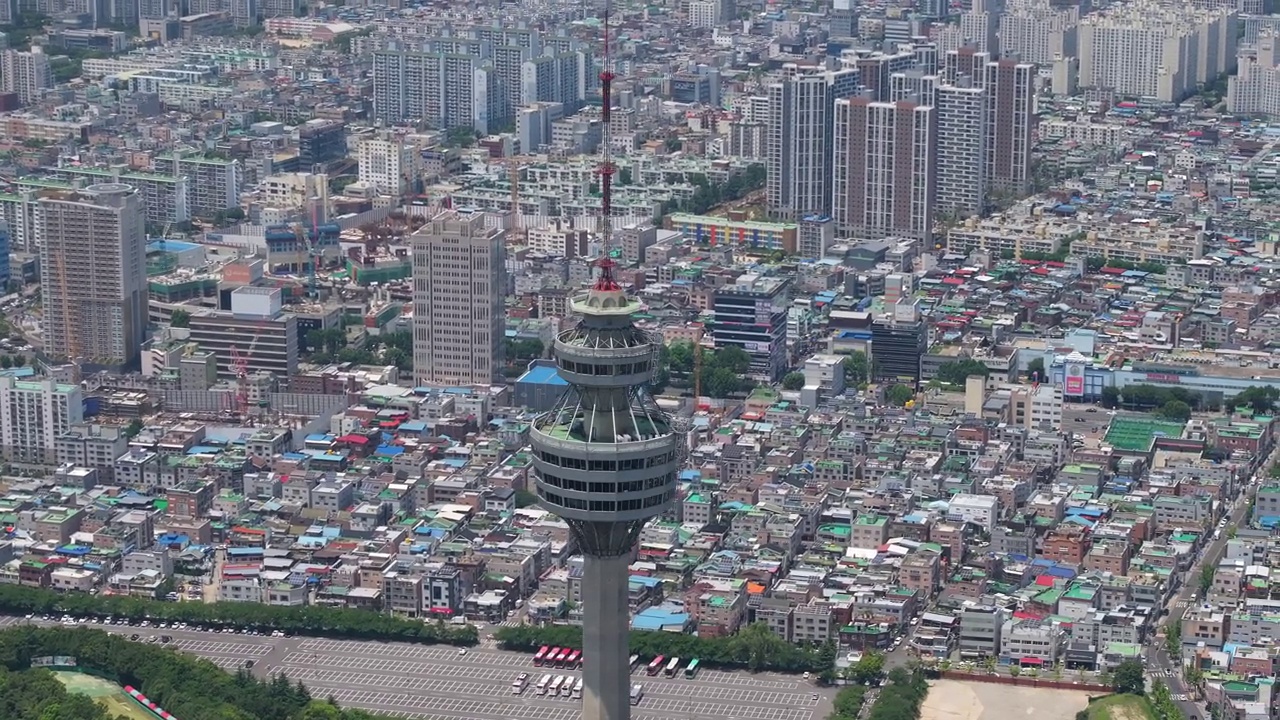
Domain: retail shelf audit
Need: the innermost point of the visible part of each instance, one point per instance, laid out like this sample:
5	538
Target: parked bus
554	687
692	671
541	655
550	658
655	667
543	682
635	662
577	689
672	666
575	658
637	692
561	657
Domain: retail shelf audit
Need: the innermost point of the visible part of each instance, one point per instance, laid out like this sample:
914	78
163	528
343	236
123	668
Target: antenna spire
606	169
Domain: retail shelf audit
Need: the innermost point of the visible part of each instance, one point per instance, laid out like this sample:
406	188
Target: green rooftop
1138	434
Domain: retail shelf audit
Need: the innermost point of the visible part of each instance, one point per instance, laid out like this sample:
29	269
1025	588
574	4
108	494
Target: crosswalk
1181	604
1160	673
1180	697
509	623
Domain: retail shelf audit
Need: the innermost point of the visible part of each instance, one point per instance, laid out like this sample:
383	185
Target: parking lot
438	683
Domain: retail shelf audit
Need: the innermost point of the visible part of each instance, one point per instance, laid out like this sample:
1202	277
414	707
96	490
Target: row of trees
187	687
1174	403
309	620
1262	399
754	648
958	371
707	194
388	349
848	704
902	697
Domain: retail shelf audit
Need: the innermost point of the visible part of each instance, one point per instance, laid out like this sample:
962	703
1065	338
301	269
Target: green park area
105	692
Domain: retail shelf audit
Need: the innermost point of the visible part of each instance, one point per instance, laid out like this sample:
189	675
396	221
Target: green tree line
901	697
315	620
187	687
754	648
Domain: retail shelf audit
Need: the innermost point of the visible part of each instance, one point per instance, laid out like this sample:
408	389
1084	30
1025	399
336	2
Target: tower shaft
606	624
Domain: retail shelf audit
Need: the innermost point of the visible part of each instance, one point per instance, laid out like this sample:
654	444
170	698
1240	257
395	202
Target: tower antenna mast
605	281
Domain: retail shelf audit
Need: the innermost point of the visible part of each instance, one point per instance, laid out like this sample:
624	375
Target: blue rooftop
170	246
543	375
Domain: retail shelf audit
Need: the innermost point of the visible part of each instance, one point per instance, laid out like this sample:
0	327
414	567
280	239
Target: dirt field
104	692
955	700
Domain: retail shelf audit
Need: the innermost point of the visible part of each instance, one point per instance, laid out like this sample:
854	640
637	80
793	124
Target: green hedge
309	620
754	648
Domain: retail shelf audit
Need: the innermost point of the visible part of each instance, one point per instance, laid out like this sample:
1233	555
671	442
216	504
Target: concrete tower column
606	627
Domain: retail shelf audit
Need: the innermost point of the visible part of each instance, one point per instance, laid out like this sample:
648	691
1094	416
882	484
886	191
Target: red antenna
605	282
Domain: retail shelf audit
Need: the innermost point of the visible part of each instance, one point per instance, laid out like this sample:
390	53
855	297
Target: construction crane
240	368
72	337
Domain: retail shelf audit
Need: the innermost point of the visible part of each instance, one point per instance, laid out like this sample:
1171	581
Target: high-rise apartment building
884	168
93	264
1038	31
458	317
960	177
26	73
1155	49
444	90
1010	108
1255	88
799	139
33	415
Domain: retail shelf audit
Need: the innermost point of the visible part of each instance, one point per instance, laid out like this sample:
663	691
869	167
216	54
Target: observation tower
606	459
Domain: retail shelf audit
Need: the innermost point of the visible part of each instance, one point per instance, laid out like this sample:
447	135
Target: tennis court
105	692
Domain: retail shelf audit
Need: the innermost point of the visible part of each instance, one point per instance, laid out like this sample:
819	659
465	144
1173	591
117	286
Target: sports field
105	692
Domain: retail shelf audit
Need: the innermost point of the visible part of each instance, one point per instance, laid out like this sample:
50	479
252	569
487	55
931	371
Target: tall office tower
93	261
799	140
1010	107
884	168
458	319
752	314
606	459
1153	49
1038	31
33	415
26	73
898	342
6	246
843	19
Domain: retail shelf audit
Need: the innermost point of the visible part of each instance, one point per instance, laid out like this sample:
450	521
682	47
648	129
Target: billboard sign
1075	381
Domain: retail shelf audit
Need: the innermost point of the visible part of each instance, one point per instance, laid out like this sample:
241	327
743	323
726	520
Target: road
1161	665
438	683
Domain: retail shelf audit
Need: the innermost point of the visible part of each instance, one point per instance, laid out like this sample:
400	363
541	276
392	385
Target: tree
868	669
6	362
133	428
793	381
720	382
957	372
1110	397
1173	639
680	357
1206	578
1035	369
1175	410
899	395
19	360
733	359
180	318
1129	677
524	499
856	368
1261	399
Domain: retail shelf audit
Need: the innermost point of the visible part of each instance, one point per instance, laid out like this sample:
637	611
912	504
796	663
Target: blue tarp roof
389	450
542	375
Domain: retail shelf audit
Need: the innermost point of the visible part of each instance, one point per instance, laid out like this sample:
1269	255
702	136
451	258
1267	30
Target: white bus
554	687
577	689
543	682
637	692
671	668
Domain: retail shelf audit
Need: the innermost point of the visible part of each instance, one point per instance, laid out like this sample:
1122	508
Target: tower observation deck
606	459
